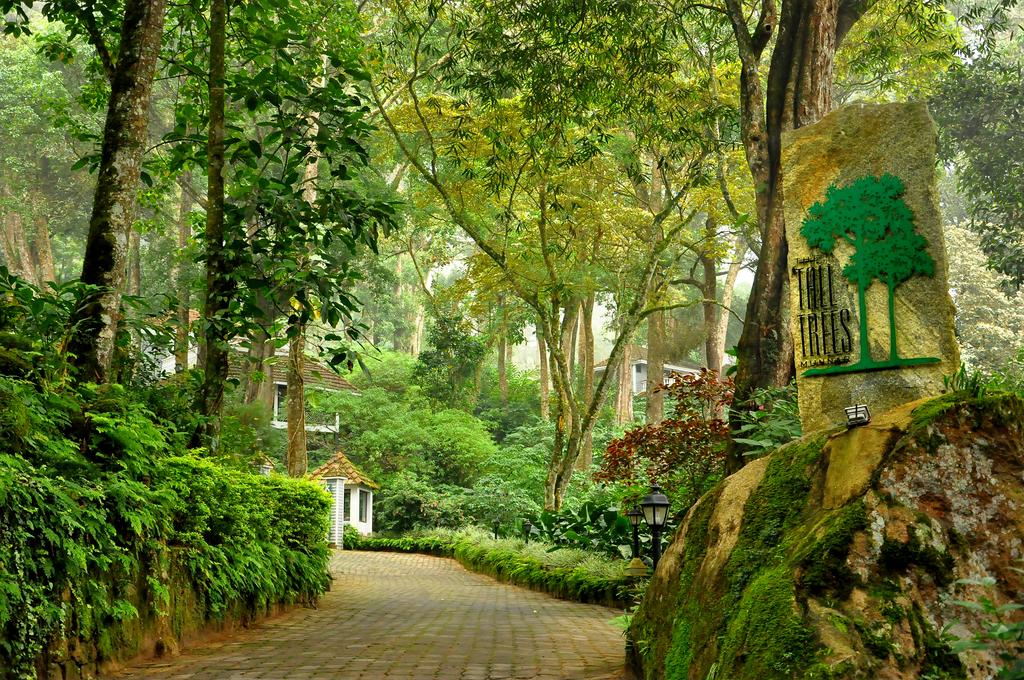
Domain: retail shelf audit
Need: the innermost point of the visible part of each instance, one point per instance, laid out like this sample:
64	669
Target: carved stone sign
872	320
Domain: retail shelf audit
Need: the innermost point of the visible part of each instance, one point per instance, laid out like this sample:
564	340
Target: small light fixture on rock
857	415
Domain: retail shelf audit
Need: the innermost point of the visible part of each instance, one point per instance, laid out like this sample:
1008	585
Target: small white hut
352	492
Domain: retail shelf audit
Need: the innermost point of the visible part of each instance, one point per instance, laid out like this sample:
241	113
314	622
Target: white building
638	369
352	494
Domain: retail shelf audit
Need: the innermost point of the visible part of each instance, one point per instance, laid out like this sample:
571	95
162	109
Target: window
348	505
280	401
364	505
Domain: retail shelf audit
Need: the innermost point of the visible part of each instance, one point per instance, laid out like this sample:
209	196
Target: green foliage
438	466
972	383
563	572
102	511
978	111
1003	632
523	401
386	433
409	502
589	527
446	367
247	437
773	421
93	499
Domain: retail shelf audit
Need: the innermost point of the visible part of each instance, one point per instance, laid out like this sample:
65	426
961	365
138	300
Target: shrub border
508	566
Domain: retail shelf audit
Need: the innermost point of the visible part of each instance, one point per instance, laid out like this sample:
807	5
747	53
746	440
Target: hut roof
341	466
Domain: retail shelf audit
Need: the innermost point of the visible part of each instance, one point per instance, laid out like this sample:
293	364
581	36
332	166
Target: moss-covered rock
839	555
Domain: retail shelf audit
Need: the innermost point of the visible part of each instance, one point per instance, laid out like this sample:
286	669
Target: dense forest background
466	209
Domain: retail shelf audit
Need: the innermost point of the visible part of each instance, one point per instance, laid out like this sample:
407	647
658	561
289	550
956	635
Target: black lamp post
527	527
636	566
497	525
635	517
655	506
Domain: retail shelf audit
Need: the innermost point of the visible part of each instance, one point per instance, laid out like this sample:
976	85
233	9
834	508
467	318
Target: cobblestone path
412	617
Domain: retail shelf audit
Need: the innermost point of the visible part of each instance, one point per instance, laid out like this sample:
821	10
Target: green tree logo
870	215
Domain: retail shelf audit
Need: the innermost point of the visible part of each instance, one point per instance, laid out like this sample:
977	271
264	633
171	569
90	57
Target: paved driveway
408	617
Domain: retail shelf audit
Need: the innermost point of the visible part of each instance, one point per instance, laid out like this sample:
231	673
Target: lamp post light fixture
635	516
857	414
655	506
636	566
527	527
497	525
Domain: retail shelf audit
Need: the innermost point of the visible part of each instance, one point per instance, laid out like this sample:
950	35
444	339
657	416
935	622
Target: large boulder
861	205
838	556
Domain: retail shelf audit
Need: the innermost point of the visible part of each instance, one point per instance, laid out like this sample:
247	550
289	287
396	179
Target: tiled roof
638	353
341	466
314	374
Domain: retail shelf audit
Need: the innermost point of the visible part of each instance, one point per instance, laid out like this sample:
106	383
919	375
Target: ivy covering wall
112	532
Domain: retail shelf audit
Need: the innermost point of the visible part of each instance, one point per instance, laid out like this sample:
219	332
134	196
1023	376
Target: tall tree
130	68
978	108
524	181
797	90
219	263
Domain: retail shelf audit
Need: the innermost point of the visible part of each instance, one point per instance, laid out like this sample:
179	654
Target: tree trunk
219	286
712	312
134	286
181	287
717	335
503	354
16	250
655	367
94	323
46	272
399	336
545	378
799	92
569	338
260	388
586	353
296	456
624	397
417	335
7	246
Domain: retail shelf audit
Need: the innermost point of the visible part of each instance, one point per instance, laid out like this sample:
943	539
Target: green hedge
105	518
564	572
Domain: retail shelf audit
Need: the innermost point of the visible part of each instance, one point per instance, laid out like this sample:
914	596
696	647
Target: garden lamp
655	506
497	525
635	516
527	527
636	566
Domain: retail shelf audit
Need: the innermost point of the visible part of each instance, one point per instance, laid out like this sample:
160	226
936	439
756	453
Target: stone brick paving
394	616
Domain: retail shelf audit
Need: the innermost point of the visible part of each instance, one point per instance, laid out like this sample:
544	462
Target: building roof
314	373
341	466
638	355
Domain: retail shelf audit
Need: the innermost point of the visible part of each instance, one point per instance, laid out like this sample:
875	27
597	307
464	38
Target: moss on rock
823	567
803	589
767	637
